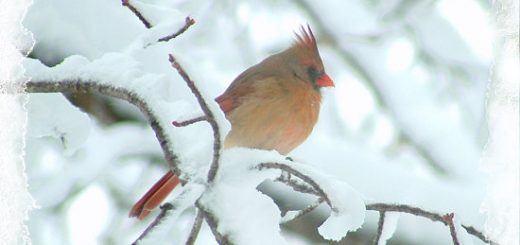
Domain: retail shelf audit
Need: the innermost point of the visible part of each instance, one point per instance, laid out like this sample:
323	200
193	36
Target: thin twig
380	225
426	214
134	10
81	86
210	118
306	210
188	22
189	121
305	178
449	219
213	225
295	185
197	223
165	208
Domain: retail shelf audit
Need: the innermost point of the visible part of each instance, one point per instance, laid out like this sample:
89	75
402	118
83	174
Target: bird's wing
257	86
231	99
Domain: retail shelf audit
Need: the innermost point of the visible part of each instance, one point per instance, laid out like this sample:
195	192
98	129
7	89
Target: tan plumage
273	105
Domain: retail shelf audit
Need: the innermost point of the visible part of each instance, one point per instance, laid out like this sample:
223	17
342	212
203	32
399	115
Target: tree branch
210	118
188	22
81	86
380	225
449	219
384	207
189	121
305	178
213	225
197	223
165	208
304	211
299	187
134	10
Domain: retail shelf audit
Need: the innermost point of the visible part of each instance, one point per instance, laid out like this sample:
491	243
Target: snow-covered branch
137	13
213	223
209	117
84	86
305	178
197	223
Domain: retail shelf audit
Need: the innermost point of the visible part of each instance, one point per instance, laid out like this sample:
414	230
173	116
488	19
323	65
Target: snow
15	201
348	207
501	156
67	124
234	199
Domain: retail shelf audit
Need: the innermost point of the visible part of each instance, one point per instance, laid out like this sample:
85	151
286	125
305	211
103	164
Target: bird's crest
306	39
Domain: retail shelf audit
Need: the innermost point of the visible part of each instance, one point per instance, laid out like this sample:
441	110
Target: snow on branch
137	13
84	86
187	22
210	117
346	204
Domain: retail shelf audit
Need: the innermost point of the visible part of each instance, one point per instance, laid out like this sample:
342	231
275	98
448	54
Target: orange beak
324	81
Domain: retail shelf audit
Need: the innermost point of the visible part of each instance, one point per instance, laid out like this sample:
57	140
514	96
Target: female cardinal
273	105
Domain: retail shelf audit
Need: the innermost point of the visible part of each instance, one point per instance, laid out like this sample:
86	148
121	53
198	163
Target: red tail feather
154	196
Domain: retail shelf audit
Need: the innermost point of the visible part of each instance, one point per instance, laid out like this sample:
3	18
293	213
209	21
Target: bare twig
210	118
449	219
305	178
81	86
384	207
295	185
189	122
188	22
134	10
197	223
380	225
213	225
306	210
165	208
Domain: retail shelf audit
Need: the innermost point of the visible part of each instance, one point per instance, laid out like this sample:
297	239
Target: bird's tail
154	196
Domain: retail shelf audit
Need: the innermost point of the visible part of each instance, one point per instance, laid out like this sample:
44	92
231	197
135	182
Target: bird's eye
313	73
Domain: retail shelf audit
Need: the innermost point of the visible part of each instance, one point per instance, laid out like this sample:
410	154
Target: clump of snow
242	211
348	206
53	115
235	186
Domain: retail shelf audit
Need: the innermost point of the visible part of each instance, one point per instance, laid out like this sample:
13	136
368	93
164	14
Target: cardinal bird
273	105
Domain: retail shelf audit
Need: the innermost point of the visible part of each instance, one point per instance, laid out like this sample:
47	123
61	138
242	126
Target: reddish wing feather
226	103
235	94
154	196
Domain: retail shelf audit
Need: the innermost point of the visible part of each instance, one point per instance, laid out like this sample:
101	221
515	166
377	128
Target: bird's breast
277	117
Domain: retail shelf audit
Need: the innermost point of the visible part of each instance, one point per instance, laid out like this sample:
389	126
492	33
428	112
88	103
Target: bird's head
305	61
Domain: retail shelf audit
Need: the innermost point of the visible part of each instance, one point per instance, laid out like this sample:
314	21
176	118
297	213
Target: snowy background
406	122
